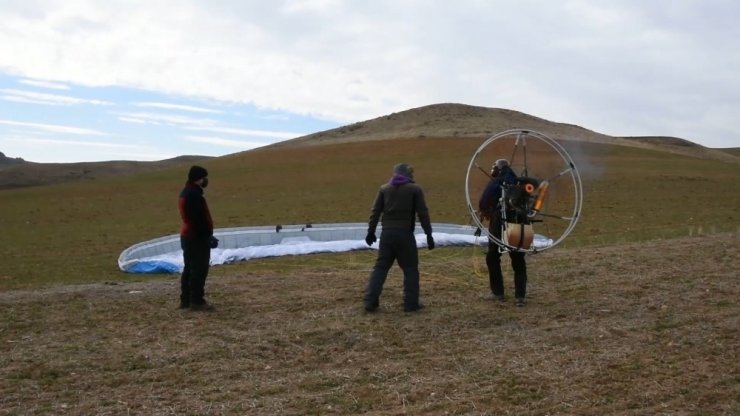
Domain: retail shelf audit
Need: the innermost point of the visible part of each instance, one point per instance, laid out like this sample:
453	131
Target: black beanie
404	169
197	172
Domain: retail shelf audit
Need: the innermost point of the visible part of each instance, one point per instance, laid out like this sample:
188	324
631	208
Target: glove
213	242
430	242
477	232
370	238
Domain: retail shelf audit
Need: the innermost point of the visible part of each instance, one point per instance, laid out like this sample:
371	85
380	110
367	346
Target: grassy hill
465	121
636	313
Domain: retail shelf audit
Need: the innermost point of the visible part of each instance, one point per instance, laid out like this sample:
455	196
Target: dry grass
630	195
639	329
614	325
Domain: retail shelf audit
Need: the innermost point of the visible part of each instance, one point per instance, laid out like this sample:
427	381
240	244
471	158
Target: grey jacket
399	205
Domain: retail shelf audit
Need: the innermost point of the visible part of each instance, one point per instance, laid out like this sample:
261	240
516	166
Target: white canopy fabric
164	255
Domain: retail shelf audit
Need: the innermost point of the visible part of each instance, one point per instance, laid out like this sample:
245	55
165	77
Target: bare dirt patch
643	329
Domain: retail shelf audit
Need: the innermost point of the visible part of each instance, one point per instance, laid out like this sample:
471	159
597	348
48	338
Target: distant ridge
9	161
26	174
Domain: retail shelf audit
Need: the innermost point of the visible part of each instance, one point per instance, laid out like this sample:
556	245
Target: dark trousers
395	245
496	278
197	256
493	261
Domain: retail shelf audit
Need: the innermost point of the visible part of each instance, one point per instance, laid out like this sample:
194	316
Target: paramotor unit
546	198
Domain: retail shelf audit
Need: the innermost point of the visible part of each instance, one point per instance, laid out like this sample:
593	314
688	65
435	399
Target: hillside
465	121
446	120
432	121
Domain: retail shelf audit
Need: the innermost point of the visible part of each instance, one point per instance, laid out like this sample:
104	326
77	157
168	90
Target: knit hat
197	172
404	169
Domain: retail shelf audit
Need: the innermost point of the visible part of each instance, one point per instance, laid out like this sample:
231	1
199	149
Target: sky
94	80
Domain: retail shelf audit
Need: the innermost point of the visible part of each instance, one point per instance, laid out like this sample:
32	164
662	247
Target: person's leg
408	260
201	257
493	259
520	274
495	277
383	263
185	276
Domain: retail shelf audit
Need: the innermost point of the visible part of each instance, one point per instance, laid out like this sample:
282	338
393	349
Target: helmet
500	164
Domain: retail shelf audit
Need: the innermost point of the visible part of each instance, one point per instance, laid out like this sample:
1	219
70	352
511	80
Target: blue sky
61	122
88	80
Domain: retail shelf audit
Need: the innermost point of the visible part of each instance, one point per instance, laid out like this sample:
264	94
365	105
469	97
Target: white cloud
165	119
54	128
220	141
43	147
247	132
620	67
46	99
76	143
298	6
44	84
169	106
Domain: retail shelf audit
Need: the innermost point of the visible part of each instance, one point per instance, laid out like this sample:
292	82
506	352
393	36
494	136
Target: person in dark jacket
196	240
396	206
490	208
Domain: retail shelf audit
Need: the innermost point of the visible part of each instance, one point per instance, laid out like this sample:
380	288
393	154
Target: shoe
372	306
183	305
413	308
201	307
491	296
520	302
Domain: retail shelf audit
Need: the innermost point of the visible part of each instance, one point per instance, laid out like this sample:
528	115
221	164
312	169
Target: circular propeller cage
549	190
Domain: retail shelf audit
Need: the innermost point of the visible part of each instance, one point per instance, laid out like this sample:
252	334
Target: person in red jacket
196	240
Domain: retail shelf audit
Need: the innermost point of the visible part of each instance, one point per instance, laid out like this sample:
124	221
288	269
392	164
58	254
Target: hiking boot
520	302
201	307
413	308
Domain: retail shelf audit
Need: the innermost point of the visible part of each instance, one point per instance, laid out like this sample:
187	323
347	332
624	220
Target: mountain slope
466	121
446	120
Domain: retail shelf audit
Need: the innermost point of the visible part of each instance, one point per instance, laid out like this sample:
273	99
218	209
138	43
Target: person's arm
422	212
375	213
489	199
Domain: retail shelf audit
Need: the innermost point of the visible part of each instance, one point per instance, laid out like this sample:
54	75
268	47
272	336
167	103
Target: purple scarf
398	180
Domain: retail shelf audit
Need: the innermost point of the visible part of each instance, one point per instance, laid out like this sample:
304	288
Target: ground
636	329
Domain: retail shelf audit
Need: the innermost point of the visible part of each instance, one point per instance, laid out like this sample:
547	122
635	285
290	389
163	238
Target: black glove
477	232
430	242
370	238
213	242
